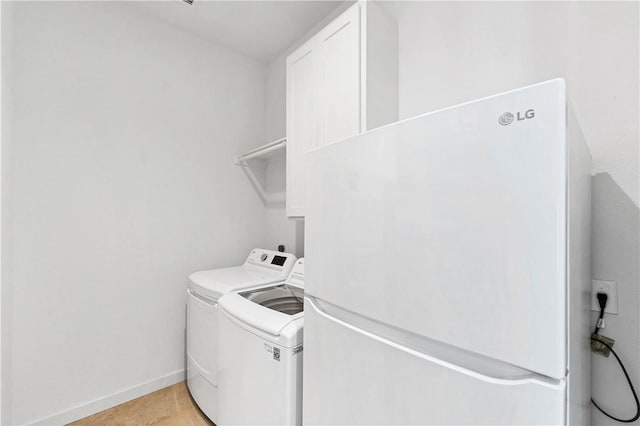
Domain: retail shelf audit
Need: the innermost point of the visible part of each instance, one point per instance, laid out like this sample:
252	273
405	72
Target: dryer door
202	336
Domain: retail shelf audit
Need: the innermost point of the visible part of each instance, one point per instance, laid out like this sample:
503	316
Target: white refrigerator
448	268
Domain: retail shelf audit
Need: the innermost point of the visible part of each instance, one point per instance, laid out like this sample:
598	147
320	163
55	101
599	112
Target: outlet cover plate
609	287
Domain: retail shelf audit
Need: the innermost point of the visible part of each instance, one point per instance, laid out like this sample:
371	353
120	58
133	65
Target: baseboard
112	400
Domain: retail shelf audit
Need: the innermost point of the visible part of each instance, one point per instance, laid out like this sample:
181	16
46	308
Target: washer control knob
263	257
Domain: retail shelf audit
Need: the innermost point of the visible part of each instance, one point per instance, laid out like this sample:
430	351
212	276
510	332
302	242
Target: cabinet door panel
303	110
323	97
340	79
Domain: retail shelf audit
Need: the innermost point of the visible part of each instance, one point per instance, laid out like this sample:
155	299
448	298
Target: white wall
451	52
123	183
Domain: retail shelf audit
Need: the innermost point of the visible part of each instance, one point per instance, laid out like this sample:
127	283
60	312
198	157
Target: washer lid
214	283
263	318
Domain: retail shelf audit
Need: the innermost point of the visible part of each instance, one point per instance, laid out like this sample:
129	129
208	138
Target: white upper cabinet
303	126
339	49
329	92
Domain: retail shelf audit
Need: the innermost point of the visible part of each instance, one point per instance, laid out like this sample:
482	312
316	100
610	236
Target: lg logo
507	118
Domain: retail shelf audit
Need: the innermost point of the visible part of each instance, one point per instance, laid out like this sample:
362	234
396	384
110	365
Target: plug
602	301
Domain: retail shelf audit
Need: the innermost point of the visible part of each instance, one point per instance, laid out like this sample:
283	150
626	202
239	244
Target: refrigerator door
451	226
360	377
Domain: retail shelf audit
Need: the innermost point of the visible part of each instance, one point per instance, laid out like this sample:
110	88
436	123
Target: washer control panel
270	259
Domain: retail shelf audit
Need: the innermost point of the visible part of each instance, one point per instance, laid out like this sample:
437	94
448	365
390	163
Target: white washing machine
205	288
260	370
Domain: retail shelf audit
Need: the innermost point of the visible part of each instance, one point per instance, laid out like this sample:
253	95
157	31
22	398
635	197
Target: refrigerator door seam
528	378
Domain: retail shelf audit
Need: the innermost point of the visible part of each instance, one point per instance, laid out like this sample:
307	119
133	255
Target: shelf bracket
262	151
256	154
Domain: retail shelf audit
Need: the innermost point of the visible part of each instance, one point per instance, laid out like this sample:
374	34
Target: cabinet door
323	97
339	45
303	111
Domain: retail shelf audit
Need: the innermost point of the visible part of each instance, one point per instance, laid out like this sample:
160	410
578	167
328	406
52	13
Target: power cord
602	301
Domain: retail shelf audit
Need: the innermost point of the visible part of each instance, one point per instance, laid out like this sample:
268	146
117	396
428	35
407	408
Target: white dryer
205	288
260	370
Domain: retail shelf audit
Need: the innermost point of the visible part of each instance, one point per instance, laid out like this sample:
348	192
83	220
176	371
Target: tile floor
170	406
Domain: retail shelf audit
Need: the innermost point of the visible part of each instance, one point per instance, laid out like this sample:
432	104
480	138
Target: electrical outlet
611	289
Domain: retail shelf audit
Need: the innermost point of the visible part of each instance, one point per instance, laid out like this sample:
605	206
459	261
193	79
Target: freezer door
451	225
354	376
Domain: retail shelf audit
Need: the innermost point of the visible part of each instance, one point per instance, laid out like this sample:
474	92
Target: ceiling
258	29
